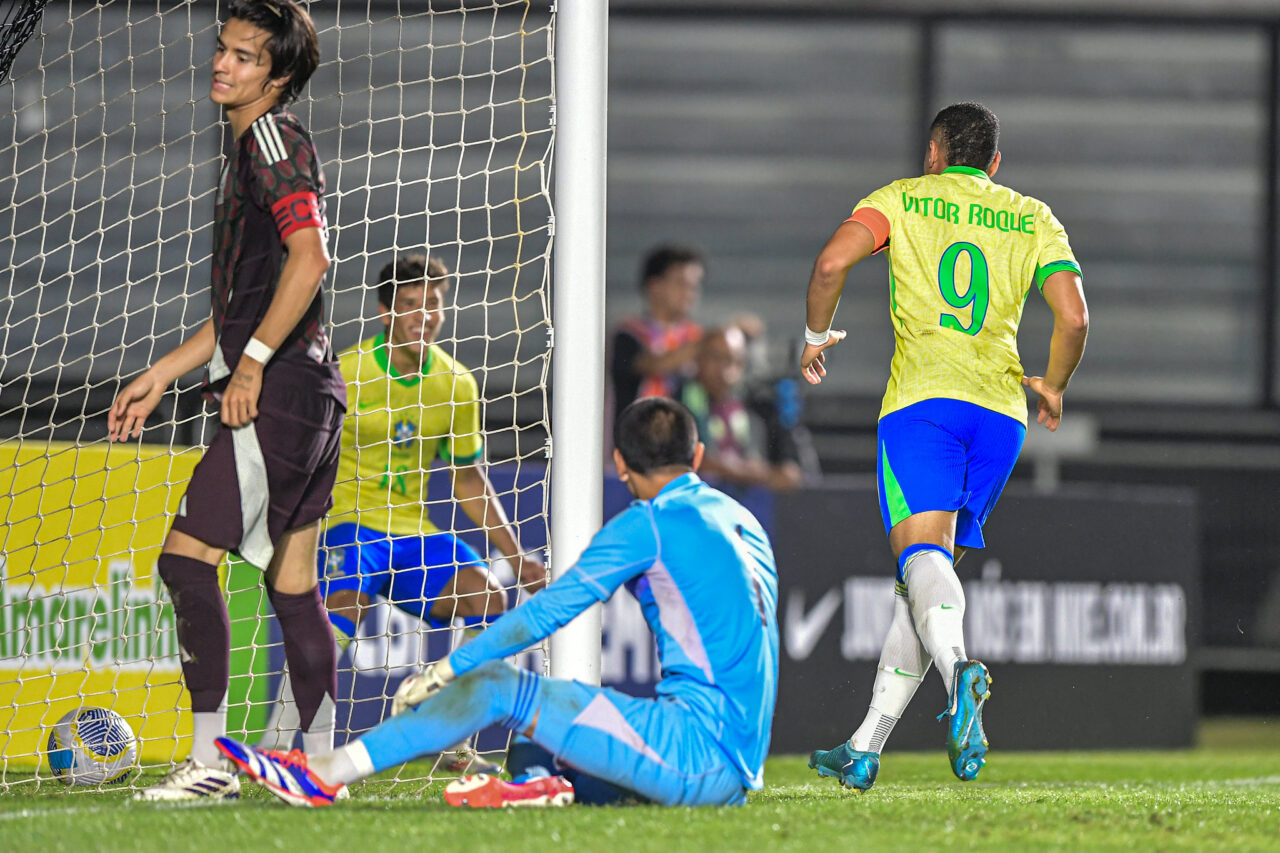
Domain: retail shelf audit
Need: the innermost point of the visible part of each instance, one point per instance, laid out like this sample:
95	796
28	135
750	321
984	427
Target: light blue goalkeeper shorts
655	747
945	455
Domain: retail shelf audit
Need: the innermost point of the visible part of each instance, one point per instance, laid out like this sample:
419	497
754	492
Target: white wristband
258	351
816	339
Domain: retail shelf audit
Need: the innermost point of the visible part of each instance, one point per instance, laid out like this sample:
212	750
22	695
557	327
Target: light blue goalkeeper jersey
703	571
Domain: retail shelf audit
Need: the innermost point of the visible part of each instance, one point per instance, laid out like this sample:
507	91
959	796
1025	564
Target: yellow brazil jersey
396	427
964	254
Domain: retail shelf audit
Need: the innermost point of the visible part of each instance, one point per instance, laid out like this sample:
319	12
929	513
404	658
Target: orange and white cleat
489	792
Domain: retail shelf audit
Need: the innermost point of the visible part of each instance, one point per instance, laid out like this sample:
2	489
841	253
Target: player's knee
495	672
486	683
482	606
346	607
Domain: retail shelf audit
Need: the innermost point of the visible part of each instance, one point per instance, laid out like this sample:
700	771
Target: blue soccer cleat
854	769
966	741
284	774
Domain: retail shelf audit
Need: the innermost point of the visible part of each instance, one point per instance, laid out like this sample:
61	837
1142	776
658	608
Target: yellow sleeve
465	441
1055	253
876	212
883	200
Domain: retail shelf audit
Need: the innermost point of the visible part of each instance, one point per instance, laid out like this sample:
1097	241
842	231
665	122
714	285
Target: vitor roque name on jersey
977	214
1042	622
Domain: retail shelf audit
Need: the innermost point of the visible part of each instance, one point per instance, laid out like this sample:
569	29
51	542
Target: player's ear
384	314
698	452
621	465
995	164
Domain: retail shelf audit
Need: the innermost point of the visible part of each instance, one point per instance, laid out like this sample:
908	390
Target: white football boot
190	782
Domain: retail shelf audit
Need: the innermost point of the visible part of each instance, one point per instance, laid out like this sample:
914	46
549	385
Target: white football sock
205	726
319	738
937	607
903	662
345	765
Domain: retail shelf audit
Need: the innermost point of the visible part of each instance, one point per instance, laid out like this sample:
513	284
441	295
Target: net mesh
433	124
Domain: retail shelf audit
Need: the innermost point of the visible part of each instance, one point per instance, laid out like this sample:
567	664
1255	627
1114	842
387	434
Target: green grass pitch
1224	795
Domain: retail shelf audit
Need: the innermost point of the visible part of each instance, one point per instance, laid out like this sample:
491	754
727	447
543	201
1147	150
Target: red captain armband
295	212
877	223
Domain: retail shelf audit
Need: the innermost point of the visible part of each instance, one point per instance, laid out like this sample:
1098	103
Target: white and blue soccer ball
92	746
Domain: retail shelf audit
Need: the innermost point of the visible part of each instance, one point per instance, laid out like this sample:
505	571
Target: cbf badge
406	431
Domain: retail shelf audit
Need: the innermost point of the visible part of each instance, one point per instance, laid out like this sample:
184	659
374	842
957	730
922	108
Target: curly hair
969	135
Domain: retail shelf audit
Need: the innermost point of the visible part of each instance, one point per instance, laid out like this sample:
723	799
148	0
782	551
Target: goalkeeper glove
422	686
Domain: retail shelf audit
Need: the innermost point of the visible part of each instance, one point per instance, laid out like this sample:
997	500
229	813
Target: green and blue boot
854	769
966	741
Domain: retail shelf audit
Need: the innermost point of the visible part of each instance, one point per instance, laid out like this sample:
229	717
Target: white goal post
435	121
581	76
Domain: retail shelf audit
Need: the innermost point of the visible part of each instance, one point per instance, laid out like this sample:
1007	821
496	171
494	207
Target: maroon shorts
274	475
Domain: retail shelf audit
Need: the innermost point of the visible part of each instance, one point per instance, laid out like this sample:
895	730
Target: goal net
433	122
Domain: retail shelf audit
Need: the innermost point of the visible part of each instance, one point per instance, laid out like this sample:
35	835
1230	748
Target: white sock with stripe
903	661
937	607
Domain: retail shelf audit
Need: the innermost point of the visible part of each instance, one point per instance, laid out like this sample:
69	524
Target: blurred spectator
730	425
652	353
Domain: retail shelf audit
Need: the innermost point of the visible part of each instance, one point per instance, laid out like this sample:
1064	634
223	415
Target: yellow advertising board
83	618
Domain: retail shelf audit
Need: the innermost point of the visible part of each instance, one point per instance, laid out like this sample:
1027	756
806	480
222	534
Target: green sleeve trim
1057	266
444	454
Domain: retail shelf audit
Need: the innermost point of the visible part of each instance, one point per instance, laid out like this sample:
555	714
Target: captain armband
295	212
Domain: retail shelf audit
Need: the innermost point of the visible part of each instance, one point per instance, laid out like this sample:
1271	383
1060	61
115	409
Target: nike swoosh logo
897	671
945	607
363	406
805	629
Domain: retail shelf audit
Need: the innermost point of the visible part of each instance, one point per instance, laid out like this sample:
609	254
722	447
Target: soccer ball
92	746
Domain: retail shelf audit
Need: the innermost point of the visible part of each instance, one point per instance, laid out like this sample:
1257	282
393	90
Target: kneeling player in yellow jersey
964	255
409	404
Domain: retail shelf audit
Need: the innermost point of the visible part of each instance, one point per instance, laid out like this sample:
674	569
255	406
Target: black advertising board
1083	605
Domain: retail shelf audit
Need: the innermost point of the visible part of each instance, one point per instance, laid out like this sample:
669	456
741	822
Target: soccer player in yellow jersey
964	255
409	404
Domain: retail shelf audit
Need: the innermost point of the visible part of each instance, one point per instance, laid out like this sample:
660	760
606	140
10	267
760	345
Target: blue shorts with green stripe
945	455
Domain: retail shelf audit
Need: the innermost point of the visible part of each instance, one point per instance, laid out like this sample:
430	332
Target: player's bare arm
651	363
1065	294
141	396
300	279
475	494
852	243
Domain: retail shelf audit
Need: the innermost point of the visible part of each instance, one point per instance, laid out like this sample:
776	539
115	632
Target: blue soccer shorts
945	455
410	572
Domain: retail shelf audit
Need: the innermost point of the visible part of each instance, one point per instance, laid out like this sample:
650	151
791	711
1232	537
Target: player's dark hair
654	433
969	134
293	44
664	257
412	269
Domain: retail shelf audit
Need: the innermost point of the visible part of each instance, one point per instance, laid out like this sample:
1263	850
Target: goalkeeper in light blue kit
703	571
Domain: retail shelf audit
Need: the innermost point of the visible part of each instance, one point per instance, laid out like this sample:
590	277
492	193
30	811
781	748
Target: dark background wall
751	128
1149	128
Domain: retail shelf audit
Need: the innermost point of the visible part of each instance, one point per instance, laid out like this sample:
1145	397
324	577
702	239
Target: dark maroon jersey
271	186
